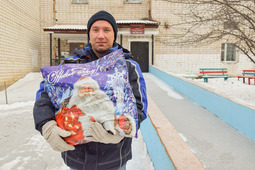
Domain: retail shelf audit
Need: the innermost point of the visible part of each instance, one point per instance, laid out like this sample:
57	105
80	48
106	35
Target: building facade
136	29
189	59
19	39
41	33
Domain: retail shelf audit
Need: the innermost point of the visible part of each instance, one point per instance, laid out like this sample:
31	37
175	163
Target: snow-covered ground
22	147
232	89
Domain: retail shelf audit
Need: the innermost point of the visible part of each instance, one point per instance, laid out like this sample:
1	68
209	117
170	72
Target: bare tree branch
204	22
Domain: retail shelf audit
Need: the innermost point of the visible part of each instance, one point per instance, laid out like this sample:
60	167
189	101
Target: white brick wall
183	59
20	39
68	13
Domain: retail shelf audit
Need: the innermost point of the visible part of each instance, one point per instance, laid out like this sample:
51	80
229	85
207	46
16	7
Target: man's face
101	37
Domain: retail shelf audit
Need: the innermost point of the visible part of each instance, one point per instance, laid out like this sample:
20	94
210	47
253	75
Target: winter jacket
95	155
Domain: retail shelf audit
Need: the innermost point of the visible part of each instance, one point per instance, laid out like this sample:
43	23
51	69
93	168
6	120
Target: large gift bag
95	91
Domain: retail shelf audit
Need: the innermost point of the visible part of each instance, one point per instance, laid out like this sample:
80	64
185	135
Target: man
107	151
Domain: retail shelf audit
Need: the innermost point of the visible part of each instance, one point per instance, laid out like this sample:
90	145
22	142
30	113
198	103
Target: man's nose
101	34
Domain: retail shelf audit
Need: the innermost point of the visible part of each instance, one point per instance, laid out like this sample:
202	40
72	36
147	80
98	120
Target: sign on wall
137	29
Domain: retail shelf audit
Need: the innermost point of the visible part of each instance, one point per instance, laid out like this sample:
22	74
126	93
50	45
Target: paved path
214	142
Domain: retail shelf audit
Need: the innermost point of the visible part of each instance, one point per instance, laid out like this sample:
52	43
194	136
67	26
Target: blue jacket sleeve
138	85
44	110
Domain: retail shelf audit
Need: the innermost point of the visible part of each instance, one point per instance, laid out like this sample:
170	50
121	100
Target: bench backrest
248	71
213	71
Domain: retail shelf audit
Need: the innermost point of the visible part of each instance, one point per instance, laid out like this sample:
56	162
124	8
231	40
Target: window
133	1
230	25
228	52
79	1
232	0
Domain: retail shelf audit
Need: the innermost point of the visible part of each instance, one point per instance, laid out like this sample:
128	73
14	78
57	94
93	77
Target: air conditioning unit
133	1
232	0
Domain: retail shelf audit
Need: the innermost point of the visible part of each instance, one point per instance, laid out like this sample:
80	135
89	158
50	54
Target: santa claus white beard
97	105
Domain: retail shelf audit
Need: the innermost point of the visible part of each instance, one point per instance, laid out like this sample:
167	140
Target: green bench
207	73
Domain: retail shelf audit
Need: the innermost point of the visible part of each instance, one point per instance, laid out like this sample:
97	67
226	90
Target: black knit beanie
103	15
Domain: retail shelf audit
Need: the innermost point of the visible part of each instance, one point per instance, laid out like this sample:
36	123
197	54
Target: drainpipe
50	49
54	22
59	51
54	11
152	50
149	9
121	39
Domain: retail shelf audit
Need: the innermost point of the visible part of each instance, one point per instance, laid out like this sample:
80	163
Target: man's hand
99	134
53	135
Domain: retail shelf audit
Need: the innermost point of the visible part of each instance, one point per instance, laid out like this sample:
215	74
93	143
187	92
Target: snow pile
23	90
232	89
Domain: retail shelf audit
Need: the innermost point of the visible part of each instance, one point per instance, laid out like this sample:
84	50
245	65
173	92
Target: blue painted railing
155	148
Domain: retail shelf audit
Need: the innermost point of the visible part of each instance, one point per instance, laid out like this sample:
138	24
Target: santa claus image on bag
93	103
88	104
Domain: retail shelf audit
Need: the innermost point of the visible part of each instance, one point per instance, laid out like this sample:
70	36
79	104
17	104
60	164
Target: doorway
140	52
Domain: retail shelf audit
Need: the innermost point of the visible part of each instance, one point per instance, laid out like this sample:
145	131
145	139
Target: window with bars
229	25
228	52
232	0
237	0
79	1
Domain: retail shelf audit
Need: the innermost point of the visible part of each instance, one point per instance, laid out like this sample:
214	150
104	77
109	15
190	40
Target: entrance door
140	52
